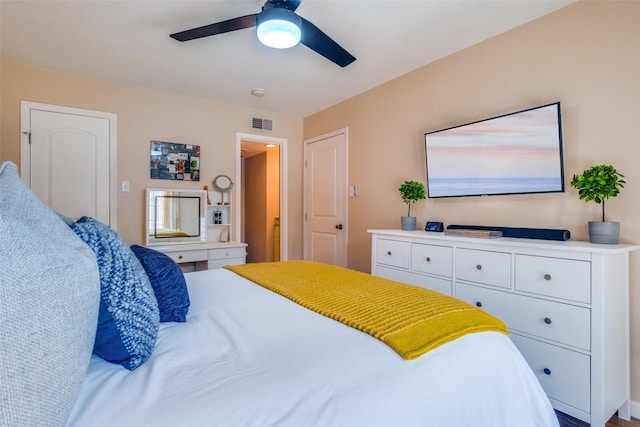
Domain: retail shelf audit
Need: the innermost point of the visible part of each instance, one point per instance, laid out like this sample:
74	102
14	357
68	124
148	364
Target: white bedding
249	357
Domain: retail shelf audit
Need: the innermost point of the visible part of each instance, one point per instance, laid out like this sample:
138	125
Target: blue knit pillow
168	283
128	318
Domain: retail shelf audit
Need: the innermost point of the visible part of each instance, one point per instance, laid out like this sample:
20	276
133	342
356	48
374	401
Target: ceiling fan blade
217	28
315	39
291	5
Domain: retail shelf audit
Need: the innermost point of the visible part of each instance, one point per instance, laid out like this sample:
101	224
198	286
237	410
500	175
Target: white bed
245	356
249	357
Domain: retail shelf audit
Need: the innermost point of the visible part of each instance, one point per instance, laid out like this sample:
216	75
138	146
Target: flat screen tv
515	153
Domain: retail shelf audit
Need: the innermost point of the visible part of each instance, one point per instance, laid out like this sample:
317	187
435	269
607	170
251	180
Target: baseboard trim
635	409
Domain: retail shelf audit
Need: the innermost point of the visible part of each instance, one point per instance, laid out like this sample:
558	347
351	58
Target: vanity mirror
175	216
223	184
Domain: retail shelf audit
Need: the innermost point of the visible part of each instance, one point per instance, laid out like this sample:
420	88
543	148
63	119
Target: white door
68	160
325	195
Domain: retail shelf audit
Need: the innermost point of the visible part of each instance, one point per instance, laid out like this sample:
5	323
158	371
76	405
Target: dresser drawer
434	283
490	268
561	278
188	256
563	323
226	253
219	263
432	259
393	252
563	374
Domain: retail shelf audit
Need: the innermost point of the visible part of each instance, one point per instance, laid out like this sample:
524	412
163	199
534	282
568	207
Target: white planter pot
408	223
607	232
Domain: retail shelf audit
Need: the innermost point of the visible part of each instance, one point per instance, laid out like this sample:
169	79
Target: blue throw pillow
167	281
128	318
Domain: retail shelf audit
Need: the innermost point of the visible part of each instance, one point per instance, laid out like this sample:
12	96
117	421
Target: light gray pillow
49	298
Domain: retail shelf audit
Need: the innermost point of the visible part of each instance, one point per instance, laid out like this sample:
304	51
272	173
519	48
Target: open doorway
261	175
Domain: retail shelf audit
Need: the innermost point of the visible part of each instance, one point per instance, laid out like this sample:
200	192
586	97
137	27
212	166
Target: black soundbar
523	233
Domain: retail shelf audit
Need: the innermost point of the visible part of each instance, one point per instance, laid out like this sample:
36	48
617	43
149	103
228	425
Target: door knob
339	226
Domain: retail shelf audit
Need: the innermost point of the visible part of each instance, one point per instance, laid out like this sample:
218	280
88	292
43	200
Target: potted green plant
599	184
411	192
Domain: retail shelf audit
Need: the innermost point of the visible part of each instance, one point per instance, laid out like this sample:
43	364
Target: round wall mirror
222	183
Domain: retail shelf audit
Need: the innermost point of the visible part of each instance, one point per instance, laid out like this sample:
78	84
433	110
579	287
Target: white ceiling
128	42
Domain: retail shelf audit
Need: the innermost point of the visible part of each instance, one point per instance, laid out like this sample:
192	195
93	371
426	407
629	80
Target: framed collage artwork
179	162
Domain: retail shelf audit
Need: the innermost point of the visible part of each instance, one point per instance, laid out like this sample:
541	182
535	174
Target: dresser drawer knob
478	267
547	320
389	253
428	259
547	371
547	277
478	304
227	253
179	256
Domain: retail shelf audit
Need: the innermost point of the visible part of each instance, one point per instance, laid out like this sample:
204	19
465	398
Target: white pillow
49	298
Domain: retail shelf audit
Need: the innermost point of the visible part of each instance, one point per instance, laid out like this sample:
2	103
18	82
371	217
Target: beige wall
586	55
262	205
255	214
273	199
144	115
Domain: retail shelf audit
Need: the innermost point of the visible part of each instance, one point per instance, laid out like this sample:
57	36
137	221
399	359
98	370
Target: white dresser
566	304
205	256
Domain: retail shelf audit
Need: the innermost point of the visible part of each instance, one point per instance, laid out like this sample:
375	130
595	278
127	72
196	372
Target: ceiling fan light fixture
278	28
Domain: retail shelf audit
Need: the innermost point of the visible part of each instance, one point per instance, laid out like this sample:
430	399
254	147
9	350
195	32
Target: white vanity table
206	256
178	226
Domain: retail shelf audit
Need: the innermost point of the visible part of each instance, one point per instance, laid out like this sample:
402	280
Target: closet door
70	161
325	198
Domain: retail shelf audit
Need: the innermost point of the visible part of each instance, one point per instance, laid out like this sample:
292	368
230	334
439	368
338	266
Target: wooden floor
567	421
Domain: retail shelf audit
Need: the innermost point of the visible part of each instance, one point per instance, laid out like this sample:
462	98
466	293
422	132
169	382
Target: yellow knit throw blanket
410	319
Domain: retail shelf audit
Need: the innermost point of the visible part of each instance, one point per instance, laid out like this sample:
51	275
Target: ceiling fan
277	26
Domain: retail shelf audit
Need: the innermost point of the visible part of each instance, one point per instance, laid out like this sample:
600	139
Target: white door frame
25	157
284	188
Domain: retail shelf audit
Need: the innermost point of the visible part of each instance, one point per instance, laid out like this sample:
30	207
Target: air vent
261	124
